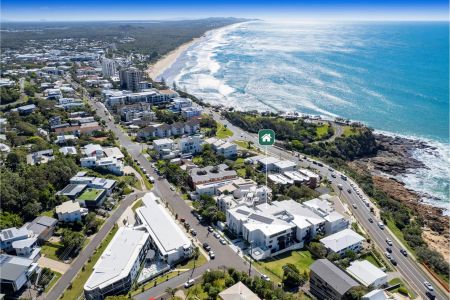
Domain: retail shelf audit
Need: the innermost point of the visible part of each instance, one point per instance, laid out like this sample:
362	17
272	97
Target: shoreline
164	63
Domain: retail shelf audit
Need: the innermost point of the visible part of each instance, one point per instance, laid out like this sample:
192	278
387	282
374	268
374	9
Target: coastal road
412	272
65	280
225	255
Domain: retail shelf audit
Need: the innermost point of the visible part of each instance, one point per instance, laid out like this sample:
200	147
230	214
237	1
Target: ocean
392	76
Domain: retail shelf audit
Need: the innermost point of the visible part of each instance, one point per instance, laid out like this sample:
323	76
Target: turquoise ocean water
392	76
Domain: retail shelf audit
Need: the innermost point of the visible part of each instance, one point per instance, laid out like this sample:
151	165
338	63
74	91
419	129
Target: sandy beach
167	61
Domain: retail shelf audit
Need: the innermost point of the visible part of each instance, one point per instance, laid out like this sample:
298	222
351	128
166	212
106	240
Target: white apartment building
109	67
274	228
111	165
119	264
191	144
170	241
222	147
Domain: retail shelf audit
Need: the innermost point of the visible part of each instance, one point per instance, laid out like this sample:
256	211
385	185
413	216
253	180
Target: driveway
53	265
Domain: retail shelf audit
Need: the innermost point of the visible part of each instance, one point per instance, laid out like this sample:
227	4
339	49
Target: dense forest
154	38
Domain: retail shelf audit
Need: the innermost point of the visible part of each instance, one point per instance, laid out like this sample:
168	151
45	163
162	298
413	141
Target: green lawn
82	277
55	279
349	131
372	260
154	282
49	250
274	266
136	205
222	132
147	182
399	234
48	213
190	263
241	172
90	194
402	284
322	131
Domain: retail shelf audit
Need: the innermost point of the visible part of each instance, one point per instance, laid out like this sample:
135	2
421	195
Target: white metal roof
118	258
365	272
341	240
166	234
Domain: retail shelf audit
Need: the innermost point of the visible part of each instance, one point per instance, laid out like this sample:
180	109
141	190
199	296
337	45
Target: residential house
328	281
40	157
206	180
63	139
342	241
238	291
69	211
111	165
92	197
367	274
68	150
43	227
16	272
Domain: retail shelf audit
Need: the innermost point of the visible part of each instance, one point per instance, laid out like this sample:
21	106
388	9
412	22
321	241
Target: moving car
404	252
339	186
370	220
333	175
389	249
381	225
349	191
389	242
354	206
393	261
388	255
189	283
428	286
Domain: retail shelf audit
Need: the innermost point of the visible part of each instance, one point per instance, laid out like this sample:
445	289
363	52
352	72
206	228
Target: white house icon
266	138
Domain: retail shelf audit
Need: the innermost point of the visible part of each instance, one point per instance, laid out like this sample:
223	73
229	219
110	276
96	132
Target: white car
389	242
428	286
189	283
223	241
216	235
265	277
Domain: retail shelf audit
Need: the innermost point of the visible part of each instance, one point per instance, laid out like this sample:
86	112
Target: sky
84	10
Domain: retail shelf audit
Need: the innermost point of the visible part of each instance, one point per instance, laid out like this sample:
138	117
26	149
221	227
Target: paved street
411	271
225	256
87	252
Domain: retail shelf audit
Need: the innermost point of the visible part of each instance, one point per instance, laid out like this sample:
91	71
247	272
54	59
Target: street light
251	250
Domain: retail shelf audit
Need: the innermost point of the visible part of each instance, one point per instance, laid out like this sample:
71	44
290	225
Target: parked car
193	232
265	277
354	206
206	246
189	283
210	229
216	235
211	254
152	179
389	242
223	241
428	286
340	186
187	226
333	175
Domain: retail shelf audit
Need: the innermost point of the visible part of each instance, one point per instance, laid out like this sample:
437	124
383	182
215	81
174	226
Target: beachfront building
274	228
326	281
119	265
367	274
342	241
130	78
167	238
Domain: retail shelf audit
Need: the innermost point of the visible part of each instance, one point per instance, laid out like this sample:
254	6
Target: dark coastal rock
395	155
